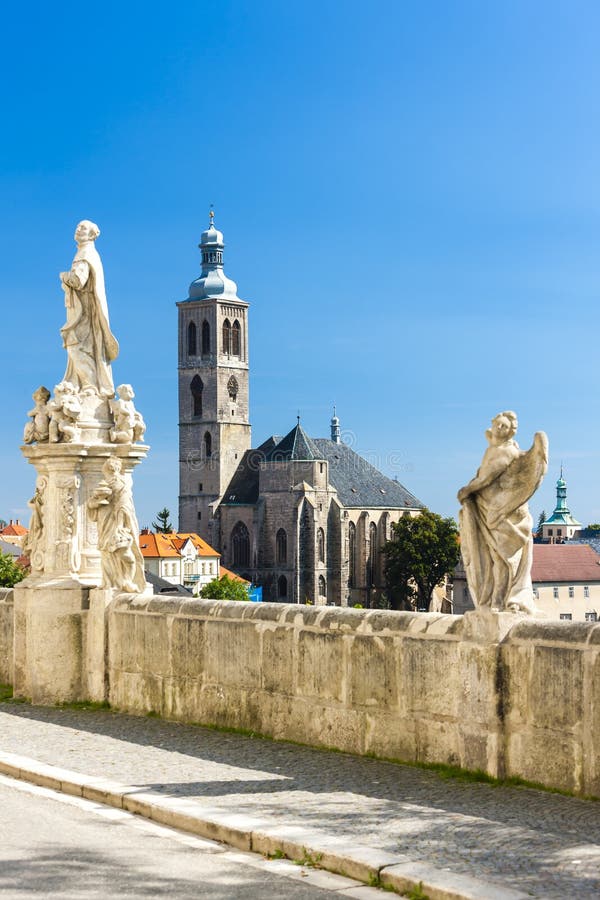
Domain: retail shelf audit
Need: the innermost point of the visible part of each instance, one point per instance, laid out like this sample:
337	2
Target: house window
591	617
281	547
571	592
555	593
207	445
550	532
240	545
559	532
586	592
192	339
282	587
205	338
197	388
566	616
321	545
235	339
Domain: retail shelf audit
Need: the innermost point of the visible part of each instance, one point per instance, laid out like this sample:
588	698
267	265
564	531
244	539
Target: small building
14	533
180	558
561	526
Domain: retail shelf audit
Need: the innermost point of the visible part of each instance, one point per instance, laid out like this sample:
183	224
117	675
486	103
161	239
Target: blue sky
410	198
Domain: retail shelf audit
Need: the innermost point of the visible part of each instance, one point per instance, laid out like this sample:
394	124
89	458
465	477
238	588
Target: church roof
357	482
296	445
556	563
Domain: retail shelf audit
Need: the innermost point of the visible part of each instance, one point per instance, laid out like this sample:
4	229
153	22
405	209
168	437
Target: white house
180	558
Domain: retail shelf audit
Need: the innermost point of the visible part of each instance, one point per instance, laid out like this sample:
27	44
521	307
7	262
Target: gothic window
372	562
235	339
282	586
233	388
205	338
207	445
322	587
352	554
321	545
192	346
240	545
281	546
227	337
197	387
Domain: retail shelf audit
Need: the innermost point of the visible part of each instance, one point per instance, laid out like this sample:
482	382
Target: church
305	518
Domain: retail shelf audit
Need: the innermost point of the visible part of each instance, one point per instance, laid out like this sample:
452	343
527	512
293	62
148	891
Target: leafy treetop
224	588
423	549
10	571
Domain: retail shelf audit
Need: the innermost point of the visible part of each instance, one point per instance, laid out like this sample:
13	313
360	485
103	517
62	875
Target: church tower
214	427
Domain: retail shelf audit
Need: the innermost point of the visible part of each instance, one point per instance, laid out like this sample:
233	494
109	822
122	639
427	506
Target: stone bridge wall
419	687
508	696
6	635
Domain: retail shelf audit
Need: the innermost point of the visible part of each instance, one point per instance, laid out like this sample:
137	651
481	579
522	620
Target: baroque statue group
84	440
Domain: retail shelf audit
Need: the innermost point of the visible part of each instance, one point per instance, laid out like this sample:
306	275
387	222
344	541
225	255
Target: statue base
490	626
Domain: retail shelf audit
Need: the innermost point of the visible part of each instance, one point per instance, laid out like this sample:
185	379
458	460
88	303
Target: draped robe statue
87	338
495	523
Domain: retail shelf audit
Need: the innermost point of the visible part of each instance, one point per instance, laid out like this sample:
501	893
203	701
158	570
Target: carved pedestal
54	653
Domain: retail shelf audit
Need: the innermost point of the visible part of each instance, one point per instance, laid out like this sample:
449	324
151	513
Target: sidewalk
365	818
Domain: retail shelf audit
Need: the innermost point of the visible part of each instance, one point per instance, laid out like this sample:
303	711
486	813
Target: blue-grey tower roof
213	282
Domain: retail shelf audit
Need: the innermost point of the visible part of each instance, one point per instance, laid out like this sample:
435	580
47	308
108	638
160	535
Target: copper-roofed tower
214	427
561	526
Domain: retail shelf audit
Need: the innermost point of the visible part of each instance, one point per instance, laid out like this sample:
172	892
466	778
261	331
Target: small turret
335	429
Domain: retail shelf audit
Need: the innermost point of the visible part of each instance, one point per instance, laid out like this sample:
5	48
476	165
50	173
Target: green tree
224	588
10	571
595	526
423	549
541	519
163	525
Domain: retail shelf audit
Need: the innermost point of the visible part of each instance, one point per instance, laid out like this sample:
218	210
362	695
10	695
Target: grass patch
309	860
416	893
6	692
89	705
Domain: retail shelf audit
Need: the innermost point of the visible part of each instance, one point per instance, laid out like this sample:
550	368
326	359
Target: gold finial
211	214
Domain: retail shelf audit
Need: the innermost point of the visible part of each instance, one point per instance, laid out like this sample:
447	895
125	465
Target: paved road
56	845
543	844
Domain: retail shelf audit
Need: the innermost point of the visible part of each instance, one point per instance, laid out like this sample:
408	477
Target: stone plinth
66	540
59	644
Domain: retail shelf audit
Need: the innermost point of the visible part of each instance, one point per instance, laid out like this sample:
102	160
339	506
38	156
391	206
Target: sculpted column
84	442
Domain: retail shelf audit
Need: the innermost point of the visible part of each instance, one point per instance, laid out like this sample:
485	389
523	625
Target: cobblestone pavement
544	844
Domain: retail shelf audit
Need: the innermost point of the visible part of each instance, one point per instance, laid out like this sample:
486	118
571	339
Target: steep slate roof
296	445
556	563
358	483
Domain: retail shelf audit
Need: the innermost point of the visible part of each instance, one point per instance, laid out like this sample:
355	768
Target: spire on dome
335	428
213	282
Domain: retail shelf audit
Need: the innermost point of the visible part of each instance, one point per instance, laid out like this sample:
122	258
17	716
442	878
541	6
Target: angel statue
495	523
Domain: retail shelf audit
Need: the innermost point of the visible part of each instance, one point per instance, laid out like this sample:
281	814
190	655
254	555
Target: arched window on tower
372	562
207	445
205	338
192	344
281	547
352	554
227	337
282	587
322	588
196	388
240	545
321	545
235	339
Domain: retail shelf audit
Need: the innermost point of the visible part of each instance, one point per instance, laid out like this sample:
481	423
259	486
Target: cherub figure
65	410
38	428
129	424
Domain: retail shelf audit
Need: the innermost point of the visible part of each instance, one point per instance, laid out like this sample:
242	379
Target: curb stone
392	871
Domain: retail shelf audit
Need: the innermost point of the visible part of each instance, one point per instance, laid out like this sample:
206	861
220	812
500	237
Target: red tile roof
170	545
232	575
14	528
554	563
